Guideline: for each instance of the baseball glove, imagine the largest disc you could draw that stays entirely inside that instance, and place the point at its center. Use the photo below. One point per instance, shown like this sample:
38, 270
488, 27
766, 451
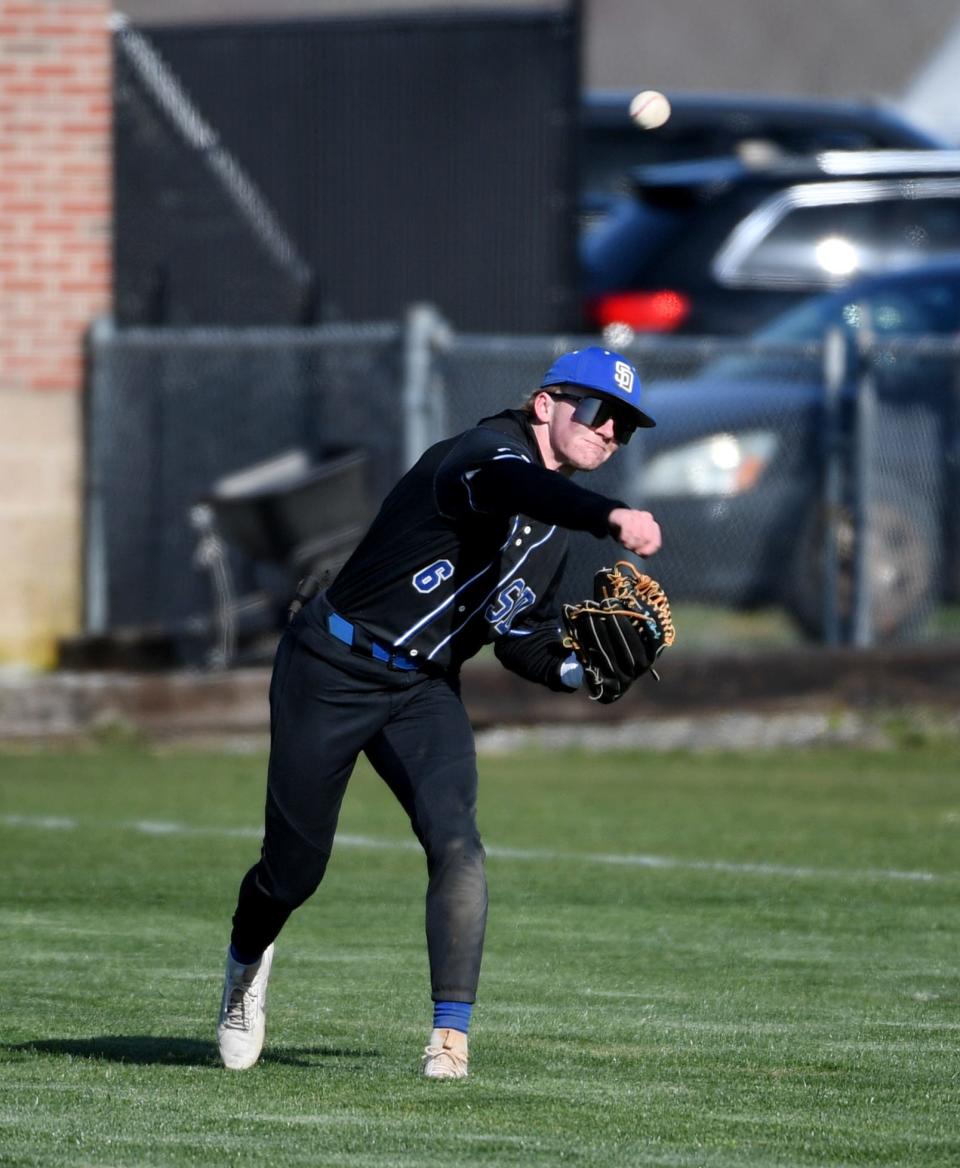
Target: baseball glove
619, 634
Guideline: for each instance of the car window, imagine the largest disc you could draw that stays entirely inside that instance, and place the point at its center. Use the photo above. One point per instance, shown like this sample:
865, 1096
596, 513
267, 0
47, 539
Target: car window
906, 308
828, 244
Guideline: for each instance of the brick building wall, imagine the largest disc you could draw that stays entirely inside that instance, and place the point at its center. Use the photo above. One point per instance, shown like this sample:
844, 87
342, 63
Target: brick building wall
55, 218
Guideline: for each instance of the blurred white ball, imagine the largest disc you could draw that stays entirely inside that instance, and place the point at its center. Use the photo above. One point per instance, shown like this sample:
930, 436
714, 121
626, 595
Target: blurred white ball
650, 109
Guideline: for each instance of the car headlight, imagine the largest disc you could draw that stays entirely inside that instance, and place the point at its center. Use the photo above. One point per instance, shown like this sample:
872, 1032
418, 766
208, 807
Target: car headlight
723, 464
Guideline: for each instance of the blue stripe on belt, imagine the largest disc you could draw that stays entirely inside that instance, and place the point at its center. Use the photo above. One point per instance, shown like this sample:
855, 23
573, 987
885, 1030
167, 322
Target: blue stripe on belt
344, 631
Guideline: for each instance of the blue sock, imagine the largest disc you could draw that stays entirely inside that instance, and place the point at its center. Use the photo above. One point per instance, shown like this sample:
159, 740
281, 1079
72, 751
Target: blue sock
452, 1015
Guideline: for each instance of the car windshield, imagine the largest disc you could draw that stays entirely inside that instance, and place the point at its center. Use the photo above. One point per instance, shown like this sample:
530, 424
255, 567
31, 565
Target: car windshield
905, 307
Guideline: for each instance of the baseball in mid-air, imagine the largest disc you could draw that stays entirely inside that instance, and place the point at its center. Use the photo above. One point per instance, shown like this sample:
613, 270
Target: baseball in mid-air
650, 109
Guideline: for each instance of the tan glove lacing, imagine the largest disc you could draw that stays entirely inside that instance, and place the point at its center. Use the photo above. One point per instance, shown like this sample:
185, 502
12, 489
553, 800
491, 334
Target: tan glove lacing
627, 582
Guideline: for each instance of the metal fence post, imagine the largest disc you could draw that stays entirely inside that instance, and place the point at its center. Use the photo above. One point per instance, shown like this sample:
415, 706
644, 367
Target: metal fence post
836, 366
96, 602
865, 432
426, 331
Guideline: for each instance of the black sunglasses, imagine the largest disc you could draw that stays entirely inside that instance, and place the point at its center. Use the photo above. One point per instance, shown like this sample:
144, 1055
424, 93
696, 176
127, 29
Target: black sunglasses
594, 411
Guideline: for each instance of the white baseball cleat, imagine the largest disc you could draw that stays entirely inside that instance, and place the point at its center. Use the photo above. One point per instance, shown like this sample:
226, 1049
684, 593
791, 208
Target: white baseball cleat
445, 1056
243, 1024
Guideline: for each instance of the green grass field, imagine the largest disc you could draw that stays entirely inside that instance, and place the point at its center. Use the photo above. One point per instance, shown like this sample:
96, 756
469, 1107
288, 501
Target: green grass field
692, 960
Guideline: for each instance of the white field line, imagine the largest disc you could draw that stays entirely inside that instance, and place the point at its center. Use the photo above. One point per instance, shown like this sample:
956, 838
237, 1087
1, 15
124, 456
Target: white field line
627, 860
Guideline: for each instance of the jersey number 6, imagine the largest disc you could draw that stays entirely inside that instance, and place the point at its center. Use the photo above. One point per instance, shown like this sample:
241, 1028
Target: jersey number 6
432, 577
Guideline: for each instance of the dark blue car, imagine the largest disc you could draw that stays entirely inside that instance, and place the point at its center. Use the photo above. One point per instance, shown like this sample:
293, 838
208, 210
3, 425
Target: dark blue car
737, 468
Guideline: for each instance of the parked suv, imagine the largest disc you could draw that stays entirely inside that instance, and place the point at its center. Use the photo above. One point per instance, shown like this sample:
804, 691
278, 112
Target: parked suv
720, 246
710, 125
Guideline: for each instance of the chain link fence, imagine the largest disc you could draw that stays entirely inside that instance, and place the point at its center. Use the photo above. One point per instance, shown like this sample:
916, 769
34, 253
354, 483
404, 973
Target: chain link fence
173, 415
806, 492
810, 482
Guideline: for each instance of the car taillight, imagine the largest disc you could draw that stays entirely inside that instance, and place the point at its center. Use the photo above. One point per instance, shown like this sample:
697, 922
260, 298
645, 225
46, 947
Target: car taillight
646, 312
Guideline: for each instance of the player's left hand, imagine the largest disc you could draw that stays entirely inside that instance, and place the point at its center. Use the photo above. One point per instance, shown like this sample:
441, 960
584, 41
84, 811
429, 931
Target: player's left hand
618, 635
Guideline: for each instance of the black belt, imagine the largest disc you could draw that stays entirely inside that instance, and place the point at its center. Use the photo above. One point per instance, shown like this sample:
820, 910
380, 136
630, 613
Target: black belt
360, 643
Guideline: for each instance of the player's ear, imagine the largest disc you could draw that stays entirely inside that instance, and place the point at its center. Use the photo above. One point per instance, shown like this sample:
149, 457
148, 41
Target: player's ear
543, 405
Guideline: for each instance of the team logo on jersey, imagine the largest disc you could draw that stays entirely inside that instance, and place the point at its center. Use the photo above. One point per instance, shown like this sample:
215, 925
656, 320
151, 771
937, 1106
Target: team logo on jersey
623, 376
508, 604
433, 576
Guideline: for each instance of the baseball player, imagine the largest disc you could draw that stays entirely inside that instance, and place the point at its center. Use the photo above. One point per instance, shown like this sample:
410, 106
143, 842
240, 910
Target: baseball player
467, 549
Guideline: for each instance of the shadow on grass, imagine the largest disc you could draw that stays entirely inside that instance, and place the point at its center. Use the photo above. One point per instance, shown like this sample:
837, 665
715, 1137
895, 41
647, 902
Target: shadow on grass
149, 1050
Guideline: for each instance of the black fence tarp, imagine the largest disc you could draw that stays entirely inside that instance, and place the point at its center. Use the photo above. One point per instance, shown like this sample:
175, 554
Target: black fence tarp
341, 169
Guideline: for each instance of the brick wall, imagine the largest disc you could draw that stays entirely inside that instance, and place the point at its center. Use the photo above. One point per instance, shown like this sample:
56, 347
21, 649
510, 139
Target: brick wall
55, 208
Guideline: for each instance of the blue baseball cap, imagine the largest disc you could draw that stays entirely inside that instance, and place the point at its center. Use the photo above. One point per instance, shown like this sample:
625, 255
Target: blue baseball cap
602, 371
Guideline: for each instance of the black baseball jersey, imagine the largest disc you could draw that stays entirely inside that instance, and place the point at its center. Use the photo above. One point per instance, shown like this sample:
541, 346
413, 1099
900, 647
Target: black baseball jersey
469, 548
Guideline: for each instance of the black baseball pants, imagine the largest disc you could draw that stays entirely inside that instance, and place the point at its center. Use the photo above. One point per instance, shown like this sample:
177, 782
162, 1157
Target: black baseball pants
327, 705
